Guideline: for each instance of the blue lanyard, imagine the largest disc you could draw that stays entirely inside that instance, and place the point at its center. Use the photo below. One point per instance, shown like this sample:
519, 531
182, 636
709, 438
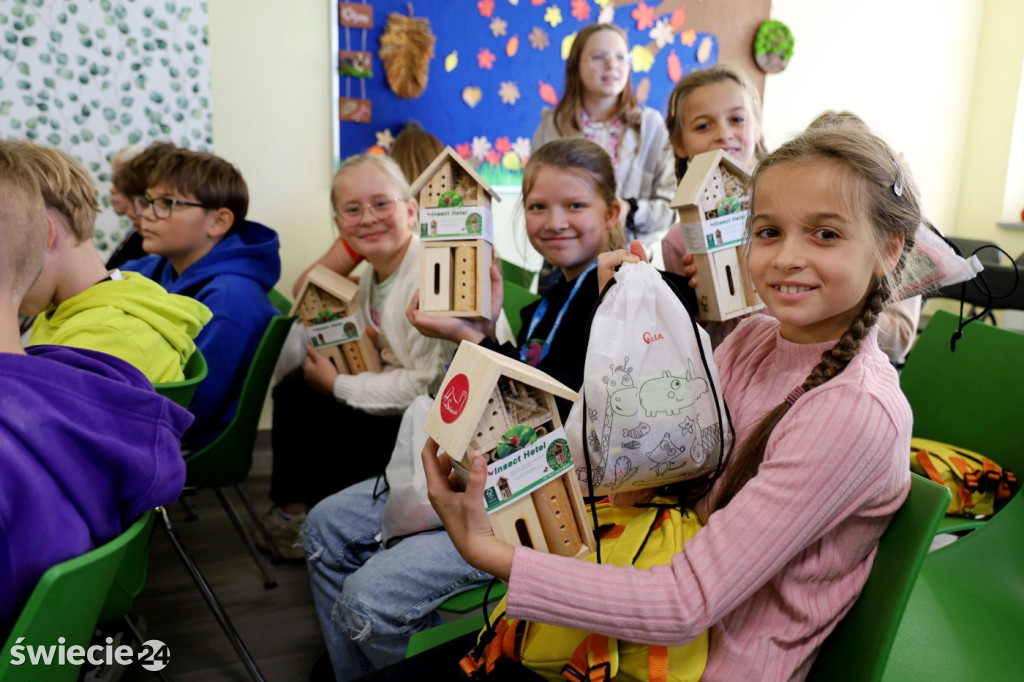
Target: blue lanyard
538, 315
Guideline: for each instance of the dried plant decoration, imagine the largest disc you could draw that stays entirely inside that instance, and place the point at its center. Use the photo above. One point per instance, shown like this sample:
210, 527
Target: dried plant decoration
406, 46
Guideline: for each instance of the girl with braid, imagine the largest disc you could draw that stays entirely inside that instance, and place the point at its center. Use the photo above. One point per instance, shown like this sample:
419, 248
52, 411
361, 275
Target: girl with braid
792, 525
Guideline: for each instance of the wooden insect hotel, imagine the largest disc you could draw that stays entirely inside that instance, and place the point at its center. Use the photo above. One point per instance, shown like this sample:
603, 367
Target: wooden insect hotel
504, 410
456, 237
327, 307
713, 200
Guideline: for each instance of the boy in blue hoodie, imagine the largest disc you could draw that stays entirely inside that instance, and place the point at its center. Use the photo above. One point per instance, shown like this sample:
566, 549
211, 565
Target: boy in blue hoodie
86, 445
201, 245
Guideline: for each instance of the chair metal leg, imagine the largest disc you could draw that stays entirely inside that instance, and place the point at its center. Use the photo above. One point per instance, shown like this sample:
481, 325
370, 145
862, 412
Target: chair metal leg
211, 599
140, 638
275, 553
269, 581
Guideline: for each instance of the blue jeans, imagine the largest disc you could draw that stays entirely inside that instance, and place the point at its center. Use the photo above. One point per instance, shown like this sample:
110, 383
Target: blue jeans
370, 600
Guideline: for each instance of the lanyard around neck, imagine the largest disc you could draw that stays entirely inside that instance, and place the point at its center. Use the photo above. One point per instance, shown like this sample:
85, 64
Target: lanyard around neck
538, 315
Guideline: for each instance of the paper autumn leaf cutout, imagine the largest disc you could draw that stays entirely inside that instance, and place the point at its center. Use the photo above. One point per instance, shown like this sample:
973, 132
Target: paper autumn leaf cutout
688, 38
522, 147
644, 16
485, 7
643, 90
462, 150
451, 61
606, 15
481, 147
567, 44
406, 47
498, 27
547, 93
704, 50
485, 58
675, 67
384, 138
472, 95
538, 38
642, 59
678, 19
603, 3
509, 92
537, 3
662, 34
512, 46
553, 15
493, 157
502, 144
580, 10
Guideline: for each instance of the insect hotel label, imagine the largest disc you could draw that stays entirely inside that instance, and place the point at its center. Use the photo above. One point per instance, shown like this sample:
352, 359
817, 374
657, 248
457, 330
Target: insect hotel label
525, 468
457, 222
725, 231
336, 331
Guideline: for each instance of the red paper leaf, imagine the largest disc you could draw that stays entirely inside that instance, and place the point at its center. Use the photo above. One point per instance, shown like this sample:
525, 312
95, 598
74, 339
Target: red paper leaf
486, 7
463, 150
493, 157
503, 145
580, 10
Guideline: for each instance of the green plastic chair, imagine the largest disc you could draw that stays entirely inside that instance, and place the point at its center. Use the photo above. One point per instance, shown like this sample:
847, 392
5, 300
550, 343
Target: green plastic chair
516, 298
860, 645
428, 639
965, 618
510, 272
67, 602
279, 301
472, 600
181, 392
973, 397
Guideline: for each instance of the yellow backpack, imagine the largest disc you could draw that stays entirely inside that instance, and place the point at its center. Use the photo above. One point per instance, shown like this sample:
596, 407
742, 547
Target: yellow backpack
641, 536
978, 484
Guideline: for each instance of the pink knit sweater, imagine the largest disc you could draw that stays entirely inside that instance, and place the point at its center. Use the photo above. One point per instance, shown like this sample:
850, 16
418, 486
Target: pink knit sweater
773, 572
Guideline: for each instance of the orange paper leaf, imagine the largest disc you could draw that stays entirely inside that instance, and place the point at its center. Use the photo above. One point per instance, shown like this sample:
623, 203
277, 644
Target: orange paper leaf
688, 38
675, 68
678, 19
547, 93
503, 145
580, 10
485, 58
463, 150
512, 46
486, 7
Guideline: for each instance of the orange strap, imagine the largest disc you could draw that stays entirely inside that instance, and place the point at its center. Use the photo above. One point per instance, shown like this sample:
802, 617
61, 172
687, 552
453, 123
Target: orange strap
657, 663
590, 662
925, 460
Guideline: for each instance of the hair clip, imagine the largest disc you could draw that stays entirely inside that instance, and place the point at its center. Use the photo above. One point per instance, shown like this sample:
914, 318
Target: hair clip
897, 187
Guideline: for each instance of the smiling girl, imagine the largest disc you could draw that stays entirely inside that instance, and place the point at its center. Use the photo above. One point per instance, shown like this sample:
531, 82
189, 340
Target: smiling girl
599, 105
818, 415
332, 430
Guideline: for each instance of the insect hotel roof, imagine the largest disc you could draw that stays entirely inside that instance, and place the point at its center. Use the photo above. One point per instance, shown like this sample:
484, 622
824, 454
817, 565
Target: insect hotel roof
329, 281
446, 157
483, 368
699, 172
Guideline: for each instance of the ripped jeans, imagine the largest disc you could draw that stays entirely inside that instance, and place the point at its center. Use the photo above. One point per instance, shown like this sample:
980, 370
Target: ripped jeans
370, 600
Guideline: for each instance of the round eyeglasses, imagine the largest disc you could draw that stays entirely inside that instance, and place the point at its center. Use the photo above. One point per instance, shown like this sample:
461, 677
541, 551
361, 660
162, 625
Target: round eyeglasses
381, 209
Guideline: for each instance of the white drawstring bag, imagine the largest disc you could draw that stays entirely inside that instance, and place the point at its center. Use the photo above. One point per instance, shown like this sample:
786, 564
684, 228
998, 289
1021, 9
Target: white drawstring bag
652, 412
407, 509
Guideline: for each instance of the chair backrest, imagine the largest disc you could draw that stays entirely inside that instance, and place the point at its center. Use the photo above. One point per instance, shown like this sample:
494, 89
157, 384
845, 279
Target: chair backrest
227, 460
516, 298
279, 301
858, 648
182, 391
973, 397
510, 272
66, 603
131, 574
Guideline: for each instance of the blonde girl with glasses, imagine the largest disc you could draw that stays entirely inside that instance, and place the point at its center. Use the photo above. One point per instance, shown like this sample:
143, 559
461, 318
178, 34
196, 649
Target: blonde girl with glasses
598, 104
332, 430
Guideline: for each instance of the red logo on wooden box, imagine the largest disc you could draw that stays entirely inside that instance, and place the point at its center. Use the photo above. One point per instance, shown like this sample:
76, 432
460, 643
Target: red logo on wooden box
454, 398
355, 16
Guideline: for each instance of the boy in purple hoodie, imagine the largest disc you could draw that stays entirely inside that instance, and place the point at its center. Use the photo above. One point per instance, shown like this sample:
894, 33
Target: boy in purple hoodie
86, 445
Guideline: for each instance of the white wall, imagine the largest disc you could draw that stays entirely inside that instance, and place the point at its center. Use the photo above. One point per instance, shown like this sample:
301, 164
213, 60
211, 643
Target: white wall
270, 66
904, 66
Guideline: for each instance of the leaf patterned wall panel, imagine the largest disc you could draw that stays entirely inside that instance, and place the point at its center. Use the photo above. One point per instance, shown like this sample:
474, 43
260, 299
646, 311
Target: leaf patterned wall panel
93, 76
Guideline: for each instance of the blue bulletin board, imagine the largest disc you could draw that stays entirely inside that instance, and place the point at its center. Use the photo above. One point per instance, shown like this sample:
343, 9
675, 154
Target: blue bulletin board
497, 64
